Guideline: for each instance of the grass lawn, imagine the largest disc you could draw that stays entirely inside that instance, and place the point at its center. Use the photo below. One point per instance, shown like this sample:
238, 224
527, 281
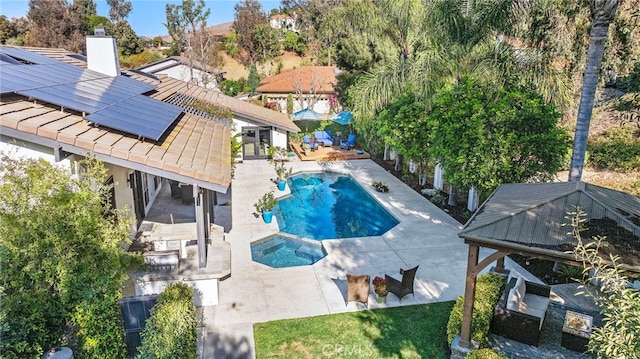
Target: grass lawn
415, 331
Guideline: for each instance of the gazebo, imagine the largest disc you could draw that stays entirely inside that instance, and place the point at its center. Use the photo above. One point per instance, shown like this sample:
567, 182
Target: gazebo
529, 219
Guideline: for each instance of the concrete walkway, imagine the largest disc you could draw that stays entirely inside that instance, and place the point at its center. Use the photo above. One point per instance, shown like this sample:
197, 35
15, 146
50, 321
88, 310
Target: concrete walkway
425, 236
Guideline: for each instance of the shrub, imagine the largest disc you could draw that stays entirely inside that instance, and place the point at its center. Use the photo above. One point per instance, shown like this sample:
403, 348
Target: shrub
172, 329
618, 150
488, 290
485, 353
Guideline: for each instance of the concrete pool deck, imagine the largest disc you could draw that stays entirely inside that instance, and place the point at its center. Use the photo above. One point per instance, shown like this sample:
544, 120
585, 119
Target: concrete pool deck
426, 236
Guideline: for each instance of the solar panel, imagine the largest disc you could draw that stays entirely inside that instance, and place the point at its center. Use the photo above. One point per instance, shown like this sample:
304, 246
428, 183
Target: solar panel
27, 56
139, 115
111, 101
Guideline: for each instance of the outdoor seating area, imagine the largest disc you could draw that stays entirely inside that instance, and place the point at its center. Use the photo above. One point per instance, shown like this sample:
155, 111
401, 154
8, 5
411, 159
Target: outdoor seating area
520, 312
404, 286
328, 153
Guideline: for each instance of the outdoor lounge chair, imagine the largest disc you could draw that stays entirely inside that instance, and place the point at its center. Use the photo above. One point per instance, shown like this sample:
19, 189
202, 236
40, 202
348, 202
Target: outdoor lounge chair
324, 138
358, 289
403, 287
313, 145
349, 143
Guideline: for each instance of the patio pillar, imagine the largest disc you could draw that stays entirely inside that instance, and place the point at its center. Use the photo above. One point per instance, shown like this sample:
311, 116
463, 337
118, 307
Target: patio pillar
469, 296
200, 226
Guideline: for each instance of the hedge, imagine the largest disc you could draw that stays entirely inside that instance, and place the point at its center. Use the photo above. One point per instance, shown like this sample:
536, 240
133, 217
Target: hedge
488, 289
172, 329
485, 353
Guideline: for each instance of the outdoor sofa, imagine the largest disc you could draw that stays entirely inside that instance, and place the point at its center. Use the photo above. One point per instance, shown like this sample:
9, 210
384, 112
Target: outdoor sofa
520, 312
323, 137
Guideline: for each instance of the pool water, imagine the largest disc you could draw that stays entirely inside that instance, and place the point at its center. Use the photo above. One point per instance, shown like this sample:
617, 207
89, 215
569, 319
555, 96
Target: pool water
329, 205
279, 251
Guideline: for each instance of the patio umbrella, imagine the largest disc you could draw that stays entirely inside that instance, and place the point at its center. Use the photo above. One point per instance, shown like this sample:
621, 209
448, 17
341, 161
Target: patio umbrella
343, 117
306, 114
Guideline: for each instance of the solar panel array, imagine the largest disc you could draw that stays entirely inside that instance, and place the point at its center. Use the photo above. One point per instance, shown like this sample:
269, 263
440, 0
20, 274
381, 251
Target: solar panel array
115, 102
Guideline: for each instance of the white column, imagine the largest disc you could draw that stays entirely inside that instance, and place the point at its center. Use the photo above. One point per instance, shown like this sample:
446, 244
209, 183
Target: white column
437, 177
472, 200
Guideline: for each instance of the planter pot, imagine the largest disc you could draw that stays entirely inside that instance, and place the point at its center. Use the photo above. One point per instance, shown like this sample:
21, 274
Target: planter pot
267, 216
381, 298
282, 185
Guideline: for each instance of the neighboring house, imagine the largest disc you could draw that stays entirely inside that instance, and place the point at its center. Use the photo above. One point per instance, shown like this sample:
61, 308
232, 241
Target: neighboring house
312, 87
284, 23
261, 127
178, 67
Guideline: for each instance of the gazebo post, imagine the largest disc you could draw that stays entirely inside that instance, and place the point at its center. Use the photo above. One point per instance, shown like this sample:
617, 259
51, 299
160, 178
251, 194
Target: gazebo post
500, 265
469, 296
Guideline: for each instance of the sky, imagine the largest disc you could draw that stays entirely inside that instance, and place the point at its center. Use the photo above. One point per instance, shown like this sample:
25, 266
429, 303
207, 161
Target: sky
147, 16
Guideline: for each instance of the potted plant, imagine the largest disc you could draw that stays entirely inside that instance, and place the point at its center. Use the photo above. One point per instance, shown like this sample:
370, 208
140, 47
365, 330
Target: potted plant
282, 173
307, 149
265, 206
380, 187
380, 287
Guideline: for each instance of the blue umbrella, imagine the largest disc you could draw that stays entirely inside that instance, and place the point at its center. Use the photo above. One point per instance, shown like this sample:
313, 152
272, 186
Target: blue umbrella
343, 117
307, 114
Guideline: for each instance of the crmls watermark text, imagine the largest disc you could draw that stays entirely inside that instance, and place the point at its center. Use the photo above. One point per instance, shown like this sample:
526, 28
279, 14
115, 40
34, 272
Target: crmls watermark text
338, 350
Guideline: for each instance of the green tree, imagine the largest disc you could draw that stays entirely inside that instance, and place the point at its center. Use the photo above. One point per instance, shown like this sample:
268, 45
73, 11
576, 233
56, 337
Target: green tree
248, 15
53, 24
119, 9
403, 126
266, 41
84, 10
290, 103
619, 336
172, 329
187, 25
295, 42
484, 137
231, 44
63, 267
602, 13
126, 39
254, 79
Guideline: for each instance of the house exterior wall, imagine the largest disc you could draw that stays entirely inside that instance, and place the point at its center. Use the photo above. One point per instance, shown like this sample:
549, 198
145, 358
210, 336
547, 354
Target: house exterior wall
278, 136
182, 72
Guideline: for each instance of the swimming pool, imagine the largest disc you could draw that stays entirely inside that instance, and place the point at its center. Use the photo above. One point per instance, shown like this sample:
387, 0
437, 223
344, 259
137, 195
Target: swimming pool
328, 205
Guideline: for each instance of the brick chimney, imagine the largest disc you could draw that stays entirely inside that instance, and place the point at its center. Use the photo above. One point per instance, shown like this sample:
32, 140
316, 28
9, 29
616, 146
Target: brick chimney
102, 53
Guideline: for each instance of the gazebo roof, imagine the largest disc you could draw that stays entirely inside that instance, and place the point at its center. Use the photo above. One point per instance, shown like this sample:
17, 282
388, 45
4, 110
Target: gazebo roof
535, 215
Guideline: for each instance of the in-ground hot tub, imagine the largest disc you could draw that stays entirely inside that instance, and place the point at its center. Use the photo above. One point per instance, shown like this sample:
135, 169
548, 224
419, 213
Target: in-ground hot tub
280, 251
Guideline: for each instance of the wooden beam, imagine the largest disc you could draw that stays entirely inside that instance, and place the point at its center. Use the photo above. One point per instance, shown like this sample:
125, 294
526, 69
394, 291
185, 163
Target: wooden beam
485, 262
469, 296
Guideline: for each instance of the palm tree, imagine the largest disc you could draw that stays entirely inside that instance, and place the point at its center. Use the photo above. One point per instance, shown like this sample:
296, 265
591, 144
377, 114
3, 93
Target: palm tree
602, 14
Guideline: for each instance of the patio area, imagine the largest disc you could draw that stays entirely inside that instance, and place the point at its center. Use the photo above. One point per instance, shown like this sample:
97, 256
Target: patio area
426, 236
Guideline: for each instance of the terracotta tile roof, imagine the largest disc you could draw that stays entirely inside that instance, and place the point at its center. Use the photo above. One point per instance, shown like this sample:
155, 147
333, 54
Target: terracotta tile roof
323, 78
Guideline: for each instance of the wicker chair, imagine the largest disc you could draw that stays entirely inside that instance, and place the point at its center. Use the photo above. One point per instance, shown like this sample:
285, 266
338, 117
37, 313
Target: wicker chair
404, 287
358, 289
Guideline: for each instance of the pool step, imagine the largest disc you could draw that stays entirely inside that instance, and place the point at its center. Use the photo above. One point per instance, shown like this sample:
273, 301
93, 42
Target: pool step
273, 246
310, 252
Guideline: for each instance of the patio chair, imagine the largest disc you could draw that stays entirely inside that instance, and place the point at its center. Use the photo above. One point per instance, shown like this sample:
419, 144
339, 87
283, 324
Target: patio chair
402, 287
313, 145
358, 289
349, 143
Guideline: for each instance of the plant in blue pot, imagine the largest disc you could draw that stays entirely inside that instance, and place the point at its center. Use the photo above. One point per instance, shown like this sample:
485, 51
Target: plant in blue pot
282, 173
265, 206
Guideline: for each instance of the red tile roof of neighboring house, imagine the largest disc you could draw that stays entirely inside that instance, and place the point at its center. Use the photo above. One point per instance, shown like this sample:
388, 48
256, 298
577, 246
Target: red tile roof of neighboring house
322, 78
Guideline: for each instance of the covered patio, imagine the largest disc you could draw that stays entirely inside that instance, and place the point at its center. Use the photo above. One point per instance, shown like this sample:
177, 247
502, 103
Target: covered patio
531, 220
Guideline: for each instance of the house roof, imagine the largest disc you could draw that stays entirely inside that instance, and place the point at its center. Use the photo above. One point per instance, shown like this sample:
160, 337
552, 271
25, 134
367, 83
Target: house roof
193, 150
239, 108
322, 79
173, 61
536, 214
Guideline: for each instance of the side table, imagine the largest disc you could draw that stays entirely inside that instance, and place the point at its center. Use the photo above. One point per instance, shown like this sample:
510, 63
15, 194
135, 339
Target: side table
576, 331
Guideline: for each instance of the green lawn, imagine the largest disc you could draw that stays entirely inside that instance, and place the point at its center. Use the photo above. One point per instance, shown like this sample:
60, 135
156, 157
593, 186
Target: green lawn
415, 331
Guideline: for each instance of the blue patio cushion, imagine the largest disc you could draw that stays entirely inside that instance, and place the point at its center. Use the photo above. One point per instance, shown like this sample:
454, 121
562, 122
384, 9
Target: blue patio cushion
323, 137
